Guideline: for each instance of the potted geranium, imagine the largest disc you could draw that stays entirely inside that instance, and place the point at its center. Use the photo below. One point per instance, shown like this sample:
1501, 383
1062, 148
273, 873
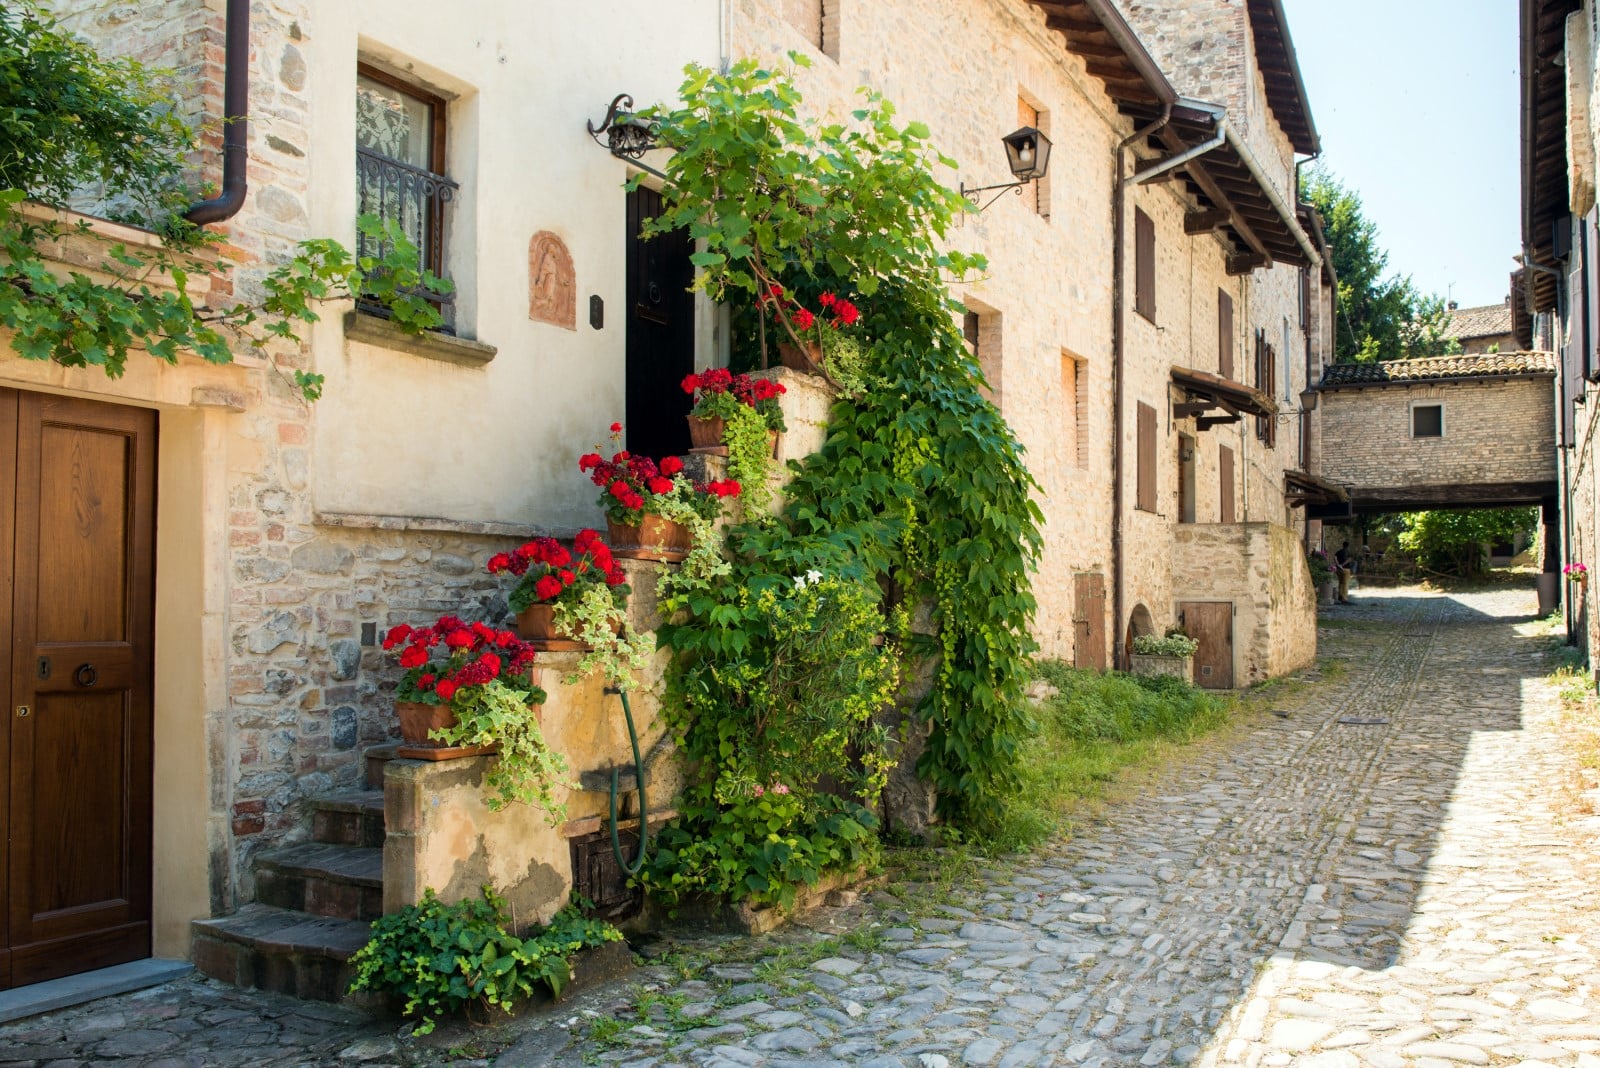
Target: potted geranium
1576, 573
549, 574
720, 396
470, 689
639, 497
829, 338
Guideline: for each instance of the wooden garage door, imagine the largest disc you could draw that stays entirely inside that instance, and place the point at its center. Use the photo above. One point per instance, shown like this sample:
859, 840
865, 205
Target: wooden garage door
77, 585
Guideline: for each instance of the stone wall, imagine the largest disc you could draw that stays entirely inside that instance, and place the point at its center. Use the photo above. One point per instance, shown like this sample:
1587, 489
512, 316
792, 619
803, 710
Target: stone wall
1495, 431
1261, 568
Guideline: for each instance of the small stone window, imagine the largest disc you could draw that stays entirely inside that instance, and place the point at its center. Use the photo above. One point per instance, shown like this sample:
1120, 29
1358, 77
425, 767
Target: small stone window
1427, 421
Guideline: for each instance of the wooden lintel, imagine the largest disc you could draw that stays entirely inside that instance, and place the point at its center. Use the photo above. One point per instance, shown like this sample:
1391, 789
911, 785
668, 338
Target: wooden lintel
1185, 409
1207, 422
1203, 222
1245, 262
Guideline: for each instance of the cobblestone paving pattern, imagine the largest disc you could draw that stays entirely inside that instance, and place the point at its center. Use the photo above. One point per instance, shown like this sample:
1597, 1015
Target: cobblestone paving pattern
1383, 875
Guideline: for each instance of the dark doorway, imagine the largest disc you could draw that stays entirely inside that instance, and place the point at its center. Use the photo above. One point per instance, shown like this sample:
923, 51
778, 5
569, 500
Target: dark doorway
77, 590
660, 344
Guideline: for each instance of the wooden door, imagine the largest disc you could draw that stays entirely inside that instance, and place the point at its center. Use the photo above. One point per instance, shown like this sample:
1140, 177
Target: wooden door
660, 342
1089, 621
1210, 623
79, 478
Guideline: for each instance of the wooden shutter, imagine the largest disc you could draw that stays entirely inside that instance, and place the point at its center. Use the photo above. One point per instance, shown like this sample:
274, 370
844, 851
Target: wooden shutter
1144, 263
1225, 477
1224, 334
1591, 298
1028, 115
1146, 498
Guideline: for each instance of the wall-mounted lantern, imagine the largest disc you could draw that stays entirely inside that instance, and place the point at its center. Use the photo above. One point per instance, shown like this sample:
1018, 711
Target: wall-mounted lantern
1027, 154
624, 134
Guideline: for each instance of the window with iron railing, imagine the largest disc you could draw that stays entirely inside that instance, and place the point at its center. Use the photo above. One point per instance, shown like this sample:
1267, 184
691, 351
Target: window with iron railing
400, 155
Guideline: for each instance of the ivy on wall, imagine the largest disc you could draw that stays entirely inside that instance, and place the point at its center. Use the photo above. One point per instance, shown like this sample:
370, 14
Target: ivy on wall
920, 490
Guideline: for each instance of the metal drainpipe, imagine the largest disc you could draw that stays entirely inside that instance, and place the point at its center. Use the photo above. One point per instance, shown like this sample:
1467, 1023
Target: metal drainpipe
236, 125
1563, 460
1119, 313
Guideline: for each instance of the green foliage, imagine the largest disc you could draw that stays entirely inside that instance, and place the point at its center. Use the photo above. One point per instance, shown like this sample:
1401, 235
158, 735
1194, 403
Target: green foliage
527, 770
1097, 725
749, 459
759, 848
920, 488
444, 958
1380, 318
1321, 570
597, 617
70, 120
1452, 542
1173, 644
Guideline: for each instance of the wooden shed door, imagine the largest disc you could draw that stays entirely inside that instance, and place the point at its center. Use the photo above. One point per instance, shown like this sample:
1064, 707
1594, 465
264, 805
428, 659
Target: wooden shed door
77, 586
1089, 621
1211, 624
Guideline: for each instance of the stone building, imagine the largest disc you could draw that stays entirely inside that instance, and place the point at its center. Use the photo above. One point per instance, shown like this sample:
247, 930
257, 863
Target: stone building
1408, 435
1176, 400
1485, 329
1154, 312
1557, 293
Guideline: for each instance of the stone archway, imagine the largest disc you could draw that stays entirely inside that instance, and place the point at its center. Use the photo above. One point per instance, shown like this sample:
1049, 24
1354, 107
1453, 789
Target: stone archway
1140, 622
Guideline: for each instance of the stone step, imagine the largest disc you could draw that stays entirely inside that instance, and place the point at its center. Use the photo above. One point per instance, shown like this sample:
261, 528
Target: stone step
376, 757
281, 950
353, 819
341, 881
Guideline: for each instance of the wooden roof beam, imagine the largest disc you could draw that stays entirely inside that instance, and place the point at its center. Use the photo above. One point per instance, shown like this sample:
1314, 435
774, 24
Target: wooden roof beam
1204, 222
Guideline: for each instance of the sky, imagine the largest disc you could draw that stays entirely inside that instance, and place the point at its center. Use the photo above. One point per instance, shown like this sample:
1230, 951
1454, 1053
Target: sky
1416, 103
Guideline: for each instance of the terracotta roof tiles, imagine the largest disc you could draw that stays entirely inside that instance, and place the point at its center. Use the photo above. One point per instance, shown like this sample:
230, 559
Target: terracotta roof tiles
1434, 368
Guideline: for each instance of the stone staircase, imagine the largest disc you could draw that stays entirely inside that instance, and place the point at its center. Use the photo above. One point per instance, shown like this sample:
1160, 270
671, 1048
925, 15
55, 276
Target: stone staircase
314, 903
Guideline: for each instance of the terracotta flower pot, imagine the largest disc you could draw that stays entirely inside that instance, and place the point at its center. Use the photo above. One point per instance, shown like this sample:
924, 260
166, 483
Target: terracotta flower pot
808, 359
417, 720
536, 622
652, 532
706, 433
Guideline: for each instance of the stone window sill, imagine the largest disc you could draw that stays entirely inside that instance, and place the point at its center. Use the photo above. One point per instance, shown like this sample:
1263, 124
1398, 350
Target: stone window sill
381, 333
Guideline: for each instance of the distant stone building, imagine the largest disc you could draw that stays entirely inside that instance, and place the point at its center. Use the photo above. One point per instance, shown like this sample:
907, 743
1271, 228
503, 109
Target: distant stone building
1484, 329
1405, 435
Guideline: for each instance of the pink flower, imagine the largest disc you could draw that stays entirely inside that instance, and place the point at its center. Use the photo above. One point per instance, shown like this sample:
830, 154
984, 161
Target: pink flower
780, 789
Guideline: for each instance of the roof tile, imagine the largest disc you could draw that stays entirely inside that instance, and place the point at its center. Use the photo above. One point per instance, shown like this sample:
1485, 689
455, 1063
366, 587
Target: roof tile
1484, 365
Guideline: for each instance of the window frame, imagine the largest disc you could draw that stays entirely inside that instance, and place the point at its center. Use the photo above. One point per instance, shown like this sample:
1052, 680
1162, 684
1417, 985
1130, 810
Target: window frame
438, 144
1413, 408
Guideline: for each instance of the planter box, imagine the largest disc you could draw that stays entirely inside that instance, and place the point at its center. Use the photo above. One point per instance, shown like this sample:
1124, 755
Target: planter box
1328, 593
1178, 667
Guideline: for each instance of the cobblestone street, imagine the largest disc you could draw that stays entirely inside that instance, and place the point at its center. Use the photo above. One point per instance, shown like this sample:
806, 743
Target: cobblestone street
1385, 865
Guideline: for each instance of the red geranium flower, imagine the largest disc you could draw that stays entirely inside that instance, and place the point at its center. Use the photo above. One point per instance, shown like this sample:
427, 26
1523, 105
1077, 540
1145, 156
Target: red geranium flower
804, 319
446, 690
660, 485
616, 428
414, 656
671, 465
397, 635
459, 639
548, 588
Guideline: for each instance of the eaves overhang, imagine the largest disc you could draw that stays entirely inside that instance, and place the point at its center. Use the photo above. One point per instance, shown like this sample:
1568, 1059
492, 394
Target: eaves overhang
1544, 141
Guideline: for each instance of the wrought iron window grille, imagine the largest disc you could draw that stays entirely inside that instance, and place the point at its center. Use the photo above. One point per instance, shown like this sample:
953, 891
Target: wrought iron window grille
419, 201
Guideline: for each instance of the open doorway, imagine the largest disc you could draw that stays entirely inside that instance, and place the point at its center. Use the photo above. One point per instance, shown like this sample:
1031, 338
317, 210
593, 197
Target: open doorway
660, 325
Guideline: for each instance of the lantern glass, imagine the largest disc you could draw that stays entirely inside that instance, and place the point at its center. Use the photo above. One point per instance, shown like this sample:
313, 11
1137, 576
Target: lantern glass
1028, 153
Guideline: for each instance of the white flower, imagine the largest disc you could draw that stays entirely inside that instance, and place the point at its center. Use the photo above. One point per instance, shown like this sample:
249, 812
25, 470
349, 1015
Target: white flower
813, 576
800, 582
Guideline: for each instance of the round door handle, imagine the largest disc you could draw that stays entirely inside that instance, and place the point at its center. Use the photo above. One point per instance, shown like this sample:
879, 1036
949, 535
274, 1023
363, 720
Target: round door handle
86, 675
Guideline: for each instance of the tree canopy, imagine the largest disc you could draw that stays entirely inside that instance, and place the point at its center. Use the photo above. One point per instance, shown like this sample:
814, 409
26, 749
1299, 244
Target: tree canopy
1381, 316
